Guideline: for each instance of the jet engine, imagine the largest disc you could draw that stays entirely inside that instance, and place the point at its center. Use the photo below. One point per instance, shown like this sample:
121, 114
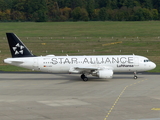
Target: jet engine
106, 73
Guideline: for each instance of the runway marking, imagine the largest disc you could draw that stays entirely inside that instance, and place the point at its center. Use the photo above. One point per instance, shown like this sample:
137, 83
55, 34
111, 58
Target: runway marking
58, 103
155, 109
120, 97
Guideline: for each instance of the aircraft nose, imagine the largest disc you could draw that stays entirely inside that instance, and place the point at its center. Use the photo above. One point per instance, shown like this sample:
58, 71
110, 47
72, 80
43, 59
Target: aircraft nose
153, 65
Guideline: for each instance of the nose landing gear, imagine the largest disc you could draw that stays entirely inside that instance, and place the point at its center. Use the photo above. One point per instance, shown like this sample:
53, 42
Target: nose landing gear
135, 75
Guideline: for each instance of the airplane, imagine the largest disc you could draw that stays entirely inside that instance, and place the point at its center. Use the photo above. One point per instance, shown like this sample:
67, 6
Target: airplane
102, 66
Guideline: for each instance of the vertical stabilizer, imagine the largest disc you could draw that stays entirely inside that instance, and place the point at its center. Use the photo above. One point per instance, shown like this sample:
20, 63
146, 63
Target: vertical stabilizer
17, 48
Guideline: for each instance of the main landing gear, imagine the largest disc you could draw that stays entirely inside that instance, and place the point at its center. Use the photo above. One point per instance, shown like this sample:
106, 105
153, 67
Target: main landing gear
84, 78
135, 75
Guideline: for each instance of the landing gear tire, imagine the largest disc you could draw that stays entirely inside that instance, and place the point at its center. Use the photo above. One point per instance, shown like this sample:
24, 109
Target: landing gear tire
135, 75
84, 78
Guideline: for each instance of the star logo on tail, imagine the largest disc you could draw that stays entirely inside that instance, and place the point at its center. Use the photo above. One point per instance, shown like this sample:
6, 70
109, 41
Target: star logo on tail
18, 49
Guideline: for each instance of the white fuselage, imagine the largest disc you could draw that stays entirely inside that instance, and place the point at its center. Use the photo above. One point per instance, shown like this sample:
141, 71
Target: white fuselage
64, 64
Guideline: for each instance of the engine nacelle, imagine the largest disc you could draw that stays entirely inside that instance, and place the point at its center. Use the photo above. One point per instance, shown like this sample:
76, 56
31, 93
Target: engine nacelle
106, 73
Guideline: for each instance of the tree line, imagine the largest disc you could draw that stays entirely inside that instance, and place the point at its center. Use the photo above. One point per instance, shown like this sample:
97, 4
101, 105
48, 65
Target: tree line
79, 10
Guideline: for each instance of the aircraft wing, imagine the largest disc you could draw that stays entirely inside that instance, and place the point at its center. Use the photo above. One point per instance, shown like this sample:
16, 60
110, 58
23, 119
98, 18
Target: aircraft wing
86, 69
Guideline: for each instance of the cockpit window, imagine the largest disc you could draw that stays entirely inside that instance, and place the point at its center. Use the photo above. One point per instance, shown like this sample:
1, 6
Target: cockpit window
146, 60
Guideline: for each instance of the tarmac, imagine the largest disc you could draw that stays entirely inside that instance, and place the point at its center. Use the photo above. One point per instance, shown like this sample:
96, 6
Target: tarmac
41, 96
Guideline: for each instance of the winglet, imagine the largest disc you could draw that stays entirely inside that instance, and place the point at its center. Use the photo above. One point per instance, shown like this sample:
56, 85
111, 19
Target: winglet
17, 48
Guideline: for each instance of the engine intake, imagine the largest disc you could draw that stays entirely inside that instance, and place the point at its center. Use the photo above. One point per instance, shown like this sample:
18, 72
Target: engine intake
106, 73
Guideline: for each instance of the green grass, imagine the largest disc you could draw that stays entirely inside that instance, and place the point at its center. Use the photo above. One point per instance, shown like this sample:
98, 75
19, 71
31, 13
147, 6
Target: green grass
10, 68
84, 38
82, 29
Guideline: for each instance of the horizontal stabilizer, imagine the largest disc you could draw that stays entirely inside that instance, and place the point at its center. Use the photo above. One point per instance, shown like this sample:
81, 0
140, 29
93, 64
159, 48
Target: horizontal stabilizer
17, 61
13, 60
